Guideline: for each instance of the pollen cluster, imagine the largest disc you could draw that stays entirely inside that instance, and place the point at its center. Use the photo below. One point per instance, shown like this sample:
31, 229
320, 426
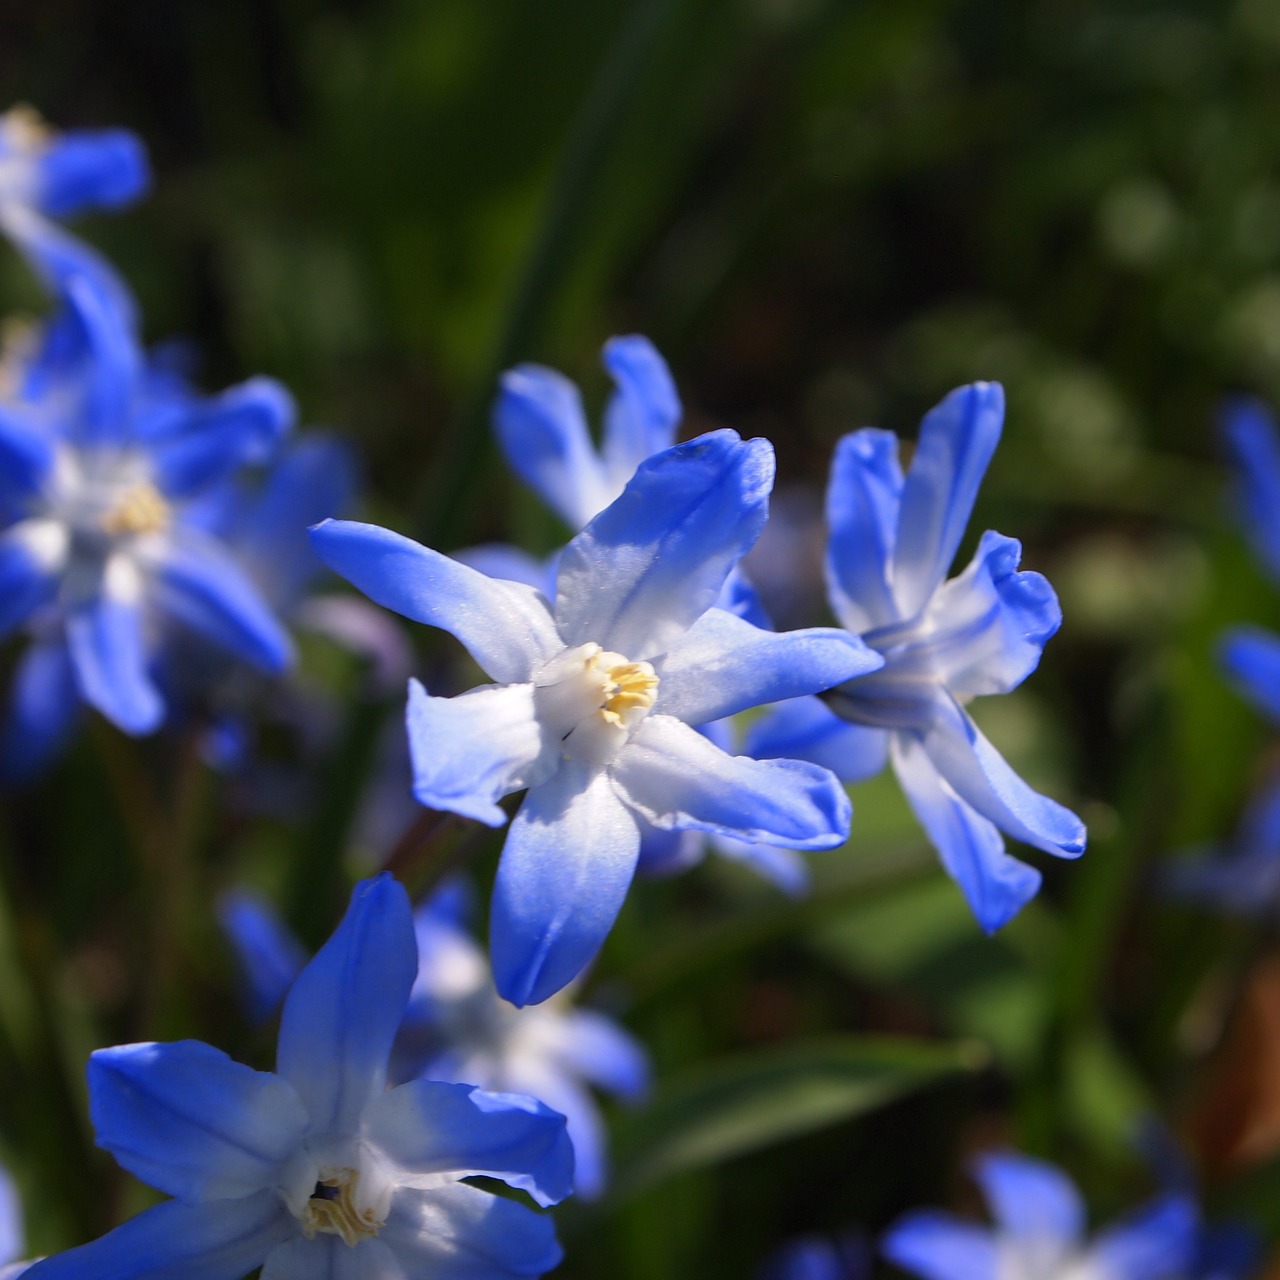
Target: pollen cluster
141, 510
332, 1209
629, 687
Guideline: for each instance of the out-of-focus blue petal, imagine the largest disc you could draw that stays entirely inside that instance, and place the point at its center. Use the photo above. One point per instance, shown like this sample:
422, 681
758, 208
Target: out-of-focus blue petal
505, 626
937, 1246
498, 560
740, 597
957, 439
583, 1122
846, 1257
44, 708
991, 623
654, 561
807, 729
426, 1128
785, 869
268, 954
568, 861
471, 750
91, 169
668, 853
862, 513
26, 451
329, 1257
996, 885
1260, 826
1029, 1198
108, 653
1252, 442
601, 1052
198, 582
342, 1013
199, 443
458, 1232
1229, 1251
723, 665
191, 1122
12, 1235
673, 777
364, 630
543, 434
31, 557
981, 777
219, 1240
644, 410
112, 358
1250, 658
1152, 1244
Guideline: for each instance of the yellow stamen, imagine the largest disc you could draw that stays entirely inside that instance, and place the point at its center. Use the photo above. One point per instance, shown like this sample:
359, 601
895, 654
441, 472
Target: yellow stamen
25, 128
141, 510
339, 1216
632, 686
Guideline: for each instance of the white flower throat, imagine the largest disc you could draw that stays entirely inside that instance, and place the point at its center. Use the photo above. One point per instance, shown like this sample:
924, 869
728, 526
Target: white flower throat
592, 700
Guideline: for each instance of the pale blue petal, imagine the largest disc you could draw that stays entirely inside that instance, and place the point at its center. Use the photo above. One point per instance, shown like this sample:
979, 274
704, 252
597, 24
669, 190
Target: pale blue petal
543, 434
981, 777
996, 885
329, 1257
740, 597
668, 853
427, 1128
723, 665
12, 1235
44, 709
938, 1246
648, 566
583, 1122
190, 1121
342, 1014
603, 1053
674, 778
197, 582
498, 560
108, 652
458, 1232
564, 873
1031, 1199
807, 729
29, 575
220, 1240
471, 750
846, 1257
505, 626
1250, 658
1152, 1244
643, 412
785, 869
1252, 442
957, 439
269, 956
862, 514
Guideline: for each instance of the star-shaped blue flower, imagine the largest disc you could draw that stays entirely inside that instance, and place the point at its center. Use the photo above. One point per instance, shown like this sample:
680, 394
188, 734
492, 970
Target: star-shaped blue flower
318, 1169
595, 699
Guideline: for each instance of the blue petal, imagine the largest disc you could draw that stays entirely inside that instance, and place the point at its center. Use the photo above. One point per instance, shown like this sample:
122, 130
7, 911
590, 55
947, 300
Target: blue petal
1152, 1244
938, 1246
740, 597
498, 560
191, 1122
603, 1053
652, 563
505, 626
673, 777
1252, 443
1250, 657
957, 439
644, 411
995, 885
112, 358
12, 1235
221, 1240
427, 1128
723, 665
92, 169
269, 955
820, 1258
785, 869
565, 870
32, 555
1031, 1199
108, 652
807, 729
862, 514
583, 1122
471, 750
342, 1014
328, 1257
44, 709
198, 582
1260, 826
980, 776
196, 444
458, 1232
669, 853
543, 433
26, 451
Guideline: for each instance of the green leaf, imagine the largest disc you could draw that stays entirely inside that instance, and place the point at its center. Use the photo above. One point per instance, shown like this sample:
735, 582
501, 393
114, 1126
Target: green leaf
766, 1096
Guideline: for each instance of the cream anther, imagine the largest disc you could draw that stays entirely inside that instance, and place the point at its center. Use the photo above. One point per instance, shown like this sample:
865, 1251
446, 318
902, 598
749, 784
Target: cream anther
339, 1214
141, 510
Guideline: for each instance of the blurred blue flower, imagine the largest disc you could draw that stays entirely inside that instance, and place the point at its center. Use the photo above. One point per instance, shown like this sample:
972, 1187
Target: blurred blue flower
1039, 1233
107, 477
319, 1169
943, 642
815, 1257
594, 701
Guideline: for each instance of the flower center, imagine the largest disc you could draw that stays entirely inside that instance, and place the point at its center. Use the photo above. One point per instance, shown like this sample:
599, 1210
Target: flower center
593, 699
334, 1208
140, 510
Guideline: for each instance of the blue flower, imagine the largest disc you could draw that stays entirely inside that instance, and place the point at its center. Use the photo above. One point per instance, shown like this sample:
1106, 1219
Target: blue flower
943, 642
105, 482
1039, 1233
594, 700
815, 1257
319, 1169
